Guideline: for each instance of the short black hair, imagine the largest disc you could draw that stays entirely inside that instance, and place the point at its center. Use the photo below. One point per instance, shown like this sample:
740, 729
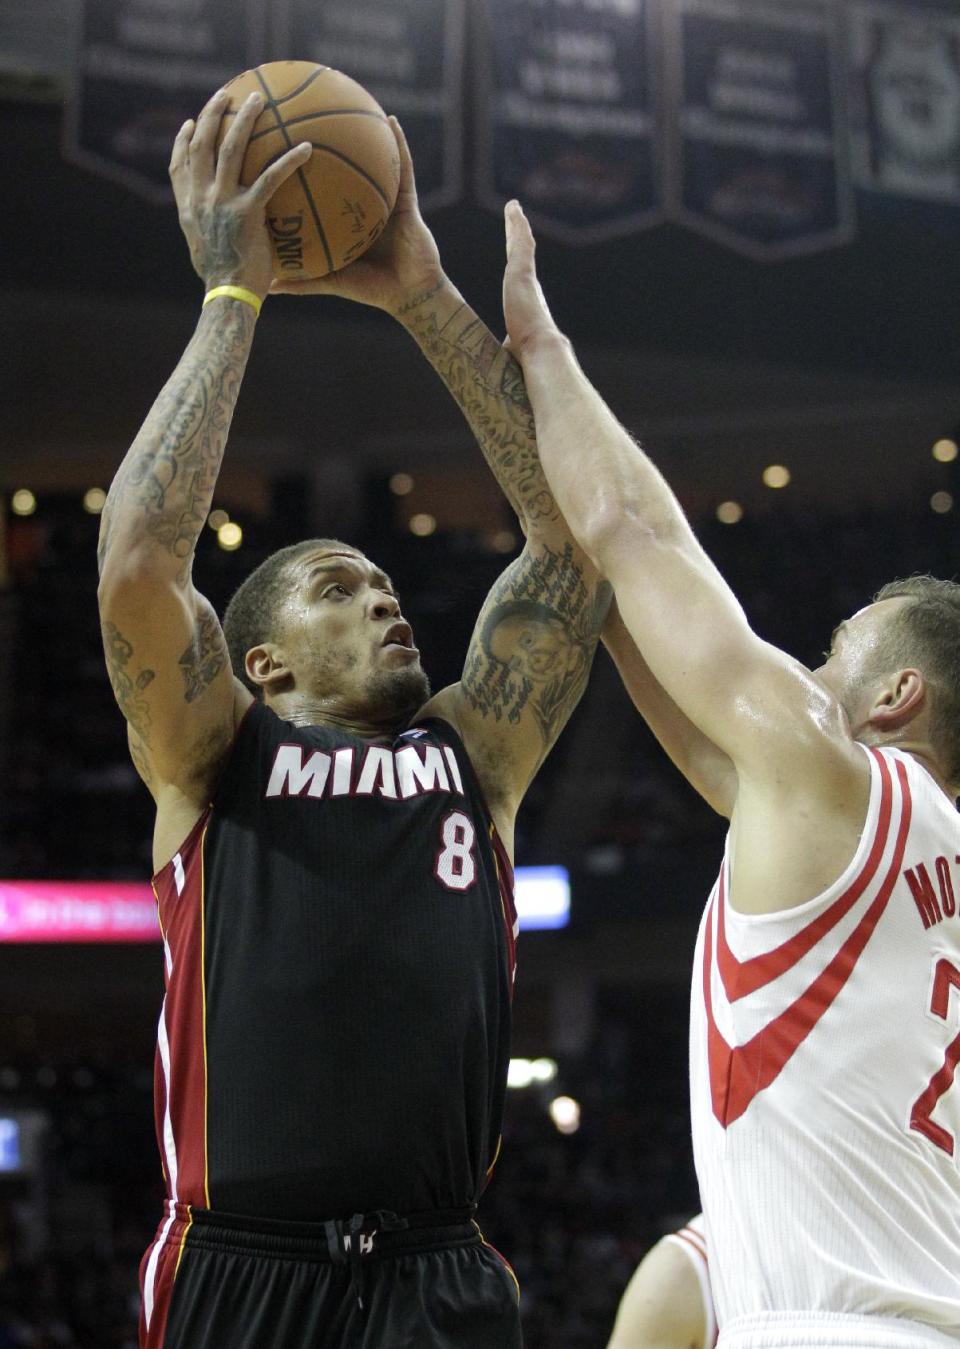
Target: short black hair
926, 634
251, 615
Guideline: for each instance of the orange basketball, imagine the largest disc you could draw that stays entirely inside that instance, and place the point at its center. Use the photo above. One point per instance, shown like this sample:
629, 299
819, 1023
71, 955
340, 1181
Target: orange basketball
330, 210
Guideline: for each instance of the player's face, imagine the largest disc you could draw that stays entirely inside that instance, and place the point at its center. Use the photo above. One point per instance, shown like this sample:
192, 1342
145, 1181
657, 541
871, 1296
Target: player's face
854, 667
346, 639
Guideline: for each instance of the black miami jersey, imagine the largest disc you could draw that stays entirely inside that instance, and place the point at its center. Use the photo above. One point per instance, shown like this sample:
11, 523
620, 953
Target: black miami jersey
339, 935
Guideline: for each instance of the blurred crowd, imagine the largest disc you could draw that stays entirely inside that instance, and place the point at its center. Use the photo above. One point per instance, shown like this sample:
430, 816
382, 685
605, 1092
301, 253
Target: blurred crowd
572, 1212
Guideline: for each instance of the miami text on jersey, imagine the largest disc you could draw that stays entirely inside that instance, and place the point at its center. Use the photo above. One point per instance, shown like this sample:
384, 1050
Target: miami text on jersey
375, 770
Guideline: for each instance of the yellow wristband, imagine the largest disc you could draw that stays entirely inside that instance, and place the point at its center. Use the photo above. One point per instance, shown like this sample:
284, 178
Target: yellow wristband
234, 293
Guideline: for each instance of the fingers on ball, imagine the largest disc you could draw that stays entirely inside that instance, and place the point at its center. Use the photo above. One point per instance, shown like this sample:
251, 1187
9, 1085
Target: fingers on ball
181, 144
235, 142
282, 169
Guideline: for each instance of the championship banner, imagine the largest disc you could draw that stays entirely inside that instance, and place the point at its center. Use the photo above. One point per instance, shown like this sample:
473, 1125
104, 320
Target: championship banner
567, 114
757, 137
905, 77
409, 55
144, 67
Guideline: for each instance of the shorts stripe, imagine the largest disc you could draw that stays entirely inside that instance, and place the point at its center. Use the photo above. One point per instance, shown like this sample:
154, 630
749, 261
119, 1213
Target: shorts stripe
503, 1260
159, 1272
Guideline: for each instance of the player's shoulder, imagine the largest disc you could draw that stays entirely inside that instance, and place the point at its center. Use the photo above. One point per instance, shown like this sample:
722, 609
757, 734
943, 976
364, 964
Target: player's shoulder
792, 733
439, 707
663, 1304
438, 720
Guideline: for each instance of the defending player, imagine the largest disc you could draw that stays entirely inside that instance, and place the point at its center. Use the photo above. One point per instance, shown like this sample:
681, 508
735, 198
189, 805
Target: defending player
668, 1303
332, 844
826, 991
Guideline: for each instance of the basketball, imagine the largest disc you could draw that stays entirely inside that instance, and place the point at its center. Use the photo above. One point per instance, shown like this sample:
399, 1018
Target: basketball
332, 209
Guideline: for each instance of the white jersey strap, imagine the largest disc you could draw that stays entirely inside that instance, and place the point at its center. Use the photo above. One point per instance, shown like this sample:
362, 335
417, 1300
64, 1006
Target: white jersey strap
692, 1240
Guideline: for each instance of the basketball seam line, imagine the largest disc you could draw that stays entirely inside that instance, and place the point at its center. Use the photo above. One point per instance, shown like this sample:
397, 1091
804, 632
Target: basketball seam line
338, 154
308, 195
299, 89
232, 112
330, 112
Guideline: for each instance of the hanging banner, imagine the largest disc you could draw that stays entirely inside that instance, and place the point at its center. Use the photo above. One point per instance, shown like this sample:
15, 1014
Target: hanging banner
409, 55
566, 114
144, 67
905, 77
756, 133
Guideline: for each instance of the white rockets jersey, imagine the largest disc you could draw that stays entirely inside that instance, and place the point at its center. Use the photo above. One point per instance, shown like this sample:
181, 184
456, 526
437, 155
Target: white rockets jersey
692, 1240
826, 1120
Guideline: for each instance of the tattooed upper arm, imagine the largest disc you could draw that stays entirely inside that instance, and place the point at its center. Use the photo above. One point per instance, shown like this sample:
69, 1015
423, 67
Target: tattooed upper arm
166, 654
531, 650
169, 669
129, 681
205, 656
528, 663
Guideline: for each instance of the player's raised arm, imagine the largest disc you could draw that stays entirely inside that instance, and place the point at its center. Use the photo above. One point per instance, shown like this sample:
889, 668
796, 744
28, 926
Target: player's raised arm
534, 641
531, 650
706, 767
757, 705
403, 275
164, 648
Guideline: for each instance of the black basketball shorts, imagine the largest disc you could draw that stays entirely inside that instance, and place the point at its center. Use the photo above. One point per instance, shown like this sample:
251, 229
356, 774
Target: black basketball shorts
215, 1281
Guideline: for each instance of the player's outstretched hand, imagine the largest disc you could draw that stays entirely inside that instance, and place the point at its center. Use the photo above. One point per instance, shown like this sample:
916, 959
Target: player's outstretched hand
224, 222
403, 262
525, 310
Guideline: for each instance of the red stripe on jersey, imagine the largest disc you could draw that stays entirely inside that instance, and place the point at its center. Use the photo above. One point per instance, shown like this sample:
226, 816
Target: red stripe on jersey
181, 916
503, 1260
168, 1262
496, 1158
741, 977
738, 1074
696, 1238
508, 905
691, 1239
508, 910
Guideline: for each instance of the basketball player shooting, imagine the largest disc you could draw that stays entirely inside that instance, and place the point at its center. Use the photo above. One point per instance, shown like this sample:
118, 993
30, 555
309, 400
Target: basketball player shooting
332, 843
825, 1026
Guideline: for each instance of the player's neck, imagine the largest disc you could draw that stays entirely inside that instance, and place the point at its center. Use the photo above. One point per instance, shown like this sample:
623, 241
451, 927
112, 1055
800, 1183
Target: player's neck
304, 709
916, 748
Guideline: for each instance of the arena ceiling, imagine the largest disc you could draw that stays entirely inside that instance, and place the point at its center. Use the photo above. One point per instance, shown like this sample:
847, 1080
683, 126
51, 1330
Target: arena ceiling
844, 364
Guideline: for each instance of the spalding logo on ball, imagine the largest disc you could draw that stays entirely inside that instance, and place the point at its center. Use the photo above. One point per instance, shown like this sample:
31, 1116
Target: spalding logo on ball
332, 209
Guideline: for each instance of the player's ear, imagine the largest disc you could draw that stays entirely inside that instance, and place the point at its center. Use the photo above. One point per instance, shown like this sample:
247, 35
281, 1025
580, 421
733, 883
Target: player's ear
902, 695
266, 665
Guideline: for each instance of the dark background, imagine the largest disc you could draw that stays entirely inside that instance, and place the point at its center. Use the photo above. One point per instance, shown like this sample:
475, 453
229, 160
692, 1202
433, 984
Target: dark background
841, 365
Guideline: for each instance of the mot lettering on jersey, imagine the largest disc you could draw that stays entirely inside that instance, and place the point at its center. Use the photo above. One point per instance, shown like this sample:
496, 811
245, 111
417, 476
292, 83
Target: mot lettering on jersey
934, 904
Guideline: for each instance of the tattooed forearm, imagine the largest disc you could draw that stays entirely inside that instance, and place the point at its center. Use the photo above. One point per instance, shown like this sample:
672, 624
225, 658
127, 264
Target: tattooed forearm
535, 640
128, 688
204, 658
164, 487
487, 383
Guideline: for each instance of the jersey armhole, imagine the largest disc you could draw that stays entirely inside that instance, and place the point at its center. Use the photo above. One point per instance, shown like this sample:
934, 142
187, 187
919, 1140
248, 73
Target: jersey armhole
693, 1244
160, 877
